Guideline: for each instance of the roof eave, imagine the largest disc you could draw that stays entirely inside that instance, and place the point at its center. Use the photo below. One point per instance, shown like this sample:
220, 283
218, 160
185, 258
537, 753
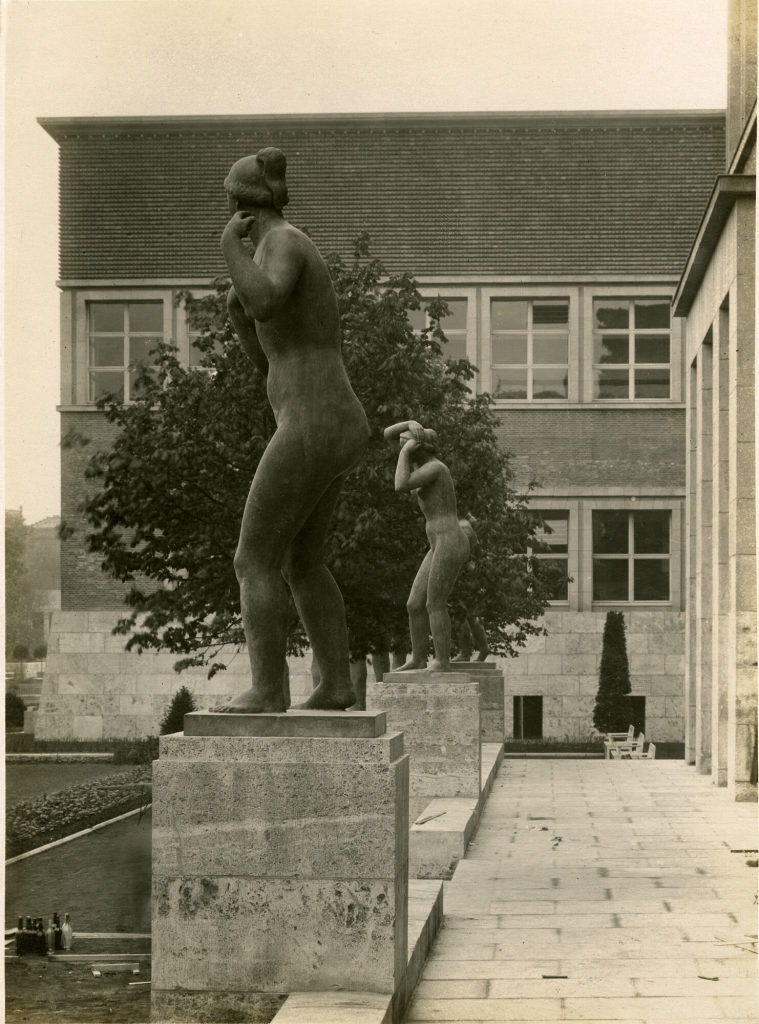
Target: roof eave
728, 189
58, 127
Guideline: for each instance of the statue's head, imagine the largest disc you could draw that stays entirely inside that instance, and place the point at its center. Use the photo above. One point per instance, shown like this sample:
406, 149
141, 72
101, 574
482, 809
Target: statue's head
428, 446
258, 180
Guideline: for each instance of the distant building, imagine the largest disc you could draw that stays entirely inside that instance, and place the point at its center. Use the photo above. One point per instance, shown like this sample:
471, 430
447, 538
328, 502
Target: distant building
558, 240
716, 296
43, 560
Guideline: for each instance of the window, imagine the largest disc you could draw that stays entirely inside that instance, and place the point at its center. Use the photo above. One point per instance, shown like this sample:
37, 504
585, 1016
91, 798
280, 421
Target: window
558, 543
120, 334
631, 555
453, 326
631, 348
528, 718
529, 348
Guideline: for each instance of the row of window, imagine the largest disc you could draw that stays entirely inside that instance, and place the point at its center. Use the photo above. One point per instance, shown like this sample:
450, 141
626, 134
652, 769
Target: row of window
529, 346
631, 554
528, 716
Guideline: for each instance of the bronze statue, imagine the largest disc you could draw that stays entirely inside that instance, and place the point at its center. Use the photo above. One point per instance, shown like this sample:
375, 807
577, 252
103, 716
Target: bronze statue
467, 628
420, 472
283, 307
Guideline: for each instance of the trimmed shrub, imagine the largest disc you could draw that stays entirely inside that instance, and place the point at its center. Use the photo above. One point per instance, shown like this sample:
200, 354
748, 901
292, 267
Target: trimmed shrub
613, 708
14, 710
40, 652
182, 703
20, 652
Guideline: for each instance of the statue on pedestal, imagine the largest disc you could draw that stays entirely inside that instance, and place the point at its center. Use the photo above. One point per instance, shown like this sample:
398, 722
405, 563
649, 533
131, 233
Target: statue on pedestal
284, 310
422, 473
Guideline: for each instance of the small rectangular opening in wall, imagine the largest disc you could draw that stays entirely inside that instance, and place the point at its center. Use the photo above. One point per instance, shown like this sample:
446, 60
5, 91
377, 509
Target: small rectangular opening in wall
638, 715
528, 718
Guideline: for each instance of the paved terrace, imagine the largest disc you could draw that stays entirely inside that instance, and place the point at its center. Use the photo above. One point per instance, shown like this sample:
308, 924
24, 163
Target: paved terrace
599, 891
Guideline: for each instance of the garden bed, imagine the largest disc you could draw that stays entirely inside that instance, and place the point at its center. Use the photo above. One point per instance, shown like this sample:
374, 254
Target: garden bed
33, 823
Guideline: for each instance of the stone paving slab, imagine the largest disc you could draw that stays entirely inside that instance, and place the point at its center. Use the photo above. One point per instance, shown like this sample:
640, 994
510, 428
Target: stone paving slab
599, 891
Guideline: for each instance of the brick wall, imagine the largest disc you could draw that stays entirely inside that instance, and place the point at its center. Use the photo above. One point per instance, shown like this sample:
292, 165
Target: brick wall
597, 448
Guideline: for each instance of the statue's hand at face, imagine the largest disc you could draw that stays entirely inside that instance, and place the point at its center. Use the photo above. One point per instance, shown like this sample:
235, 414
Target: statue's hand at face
239, 225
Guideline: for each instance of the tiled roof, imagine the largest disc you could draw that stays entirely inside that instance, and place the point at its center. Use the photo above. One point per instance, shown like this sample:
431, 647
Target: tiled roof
441, 194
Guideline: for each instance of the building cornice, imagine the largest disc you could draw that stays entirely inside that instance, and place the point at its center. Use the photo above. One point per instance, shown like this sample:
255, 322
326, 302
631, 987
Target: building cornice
61, 127
608, 279
728, 189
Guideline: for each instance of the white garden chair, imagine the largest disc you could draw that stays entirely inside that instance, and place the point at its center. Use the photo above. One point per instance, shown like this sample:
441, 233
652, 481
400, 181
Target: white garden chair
618, 740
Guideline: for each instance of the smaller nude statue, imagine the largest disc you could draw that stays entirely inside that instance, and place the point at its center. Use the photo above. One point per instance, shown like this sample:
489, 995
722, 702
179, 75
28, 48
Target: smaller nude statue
467, 627
421, 472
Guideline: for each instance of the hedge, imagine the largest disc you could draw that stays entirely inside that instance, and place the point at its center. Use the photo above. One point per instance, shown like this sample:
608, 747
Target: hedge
33, 823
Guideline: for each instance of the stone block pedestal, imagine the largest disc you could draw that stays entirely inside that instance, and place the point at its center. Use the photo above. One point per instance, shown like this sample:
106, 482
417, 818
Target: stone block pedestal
439, 715
490, 678
280, 862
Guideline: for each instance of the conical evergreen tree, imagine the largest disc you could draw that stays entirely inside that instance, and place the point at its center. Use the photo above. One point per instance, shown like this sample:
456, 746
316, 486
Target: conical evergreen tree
173, 721
613, 709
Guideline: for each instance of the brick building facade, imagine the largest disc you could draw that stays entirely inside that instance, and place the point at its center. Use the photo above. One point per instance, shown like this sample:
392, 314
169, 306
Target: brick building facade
557, 240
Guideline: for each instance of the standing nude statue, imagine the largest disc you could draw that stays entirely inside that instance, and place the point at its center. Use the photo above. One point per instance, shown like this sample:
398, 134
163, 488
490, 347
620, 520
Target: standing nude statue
467, 628
284, 309
419, 471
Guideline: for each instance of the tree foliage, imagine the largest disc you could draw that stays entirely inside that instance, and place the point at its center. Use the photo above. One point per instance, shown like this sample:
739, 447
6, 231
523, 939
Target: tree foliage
19, 614
169, 496
613, 709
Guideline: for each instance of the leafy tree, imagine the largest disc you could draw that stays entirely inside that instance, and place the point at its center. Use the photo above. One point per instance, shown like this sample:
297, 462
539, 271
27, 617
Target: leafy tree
181, 704
170, 492
18, 595
613, 709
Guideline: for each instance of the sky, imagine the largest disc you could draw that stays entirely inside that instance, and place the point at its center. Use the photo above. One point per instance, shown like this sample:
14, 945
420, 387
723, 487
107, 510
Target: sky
75, 58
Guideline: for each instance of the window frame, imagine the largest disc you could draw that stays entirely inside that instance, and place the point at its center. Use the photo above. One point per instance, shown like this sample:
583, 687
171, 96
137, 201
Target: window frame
79, 394
531, 294
545, 513
630, 557
445, 292
631, 293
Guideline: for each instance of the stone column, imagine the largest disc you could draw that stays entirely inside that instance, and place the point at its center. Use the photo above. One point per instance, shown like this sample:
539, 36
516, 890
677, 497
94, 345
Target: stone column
720, 580
703, 553
689, 683
439, 715
742, 703
280, 862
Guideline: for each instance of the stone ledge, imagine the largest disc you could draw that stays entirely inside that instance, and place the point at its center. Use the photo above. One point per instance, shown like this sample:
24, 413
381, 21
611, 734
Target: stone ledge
425, 919
437, 845
299, 723
62, 756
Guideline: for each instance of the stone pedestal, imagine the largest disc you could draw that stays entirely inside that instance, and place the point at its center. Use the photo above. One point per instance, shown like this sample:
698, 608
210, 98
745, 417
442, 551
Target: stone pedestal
490, 678
439, 715
280, 862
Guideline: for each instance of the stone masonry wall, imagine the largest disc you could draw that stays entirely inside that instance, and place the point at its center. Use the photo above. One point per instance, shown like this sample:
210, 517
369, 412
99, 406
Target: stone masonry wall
563, 668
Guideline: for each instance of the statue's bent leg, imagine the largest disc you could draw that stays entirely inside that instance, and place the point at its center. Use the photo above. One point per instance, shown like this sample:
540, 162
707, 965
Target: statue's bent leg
320, 606
448, 558
418, 621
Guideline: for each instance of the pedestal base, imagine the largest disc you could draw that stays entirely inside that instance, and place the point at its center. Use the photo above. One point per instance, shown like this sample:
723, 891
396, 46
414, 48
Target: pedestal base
439, 715
280, 864
490, 678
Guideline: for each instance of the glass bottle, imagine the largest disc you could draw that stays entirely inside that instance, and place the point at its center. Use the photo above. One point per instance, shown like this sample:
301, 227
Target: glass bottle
57, 925
67, 932
50, 935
